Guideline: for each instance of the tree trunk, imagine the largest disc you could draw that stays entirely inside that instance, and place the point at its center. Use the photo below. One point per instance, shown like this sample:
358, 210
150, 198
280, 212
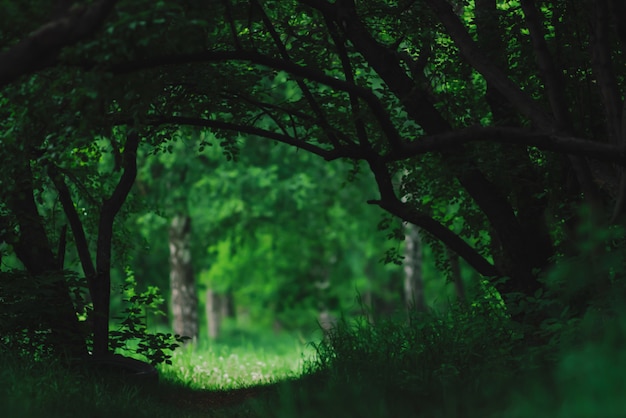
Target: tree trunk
455, 275
419, 107
182, 281
327, 322
214, 311
101, 286
33, 249
227, 308
413, 280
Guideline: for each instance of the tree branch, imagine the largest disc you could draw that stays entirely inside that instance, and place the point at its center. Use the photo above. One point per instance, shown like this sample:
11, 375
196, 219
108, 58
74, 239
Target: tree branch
543, 140
603, 70
82, 246
359, 124
40, 48
390, 202
375, 105
387, 64
552, 76
322, 119
343, 151
477, 59
555, 88
110, 208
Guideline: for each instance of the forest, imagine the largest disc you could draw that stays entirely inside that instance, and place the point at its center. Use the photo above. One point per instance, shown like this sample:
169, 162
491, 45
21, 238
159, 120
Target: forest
261, 208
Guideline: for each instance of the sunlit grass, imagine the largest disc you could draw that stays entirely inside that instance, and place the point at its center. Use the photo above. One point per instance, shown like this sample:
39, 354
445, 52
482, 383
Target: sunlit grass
439, 366
241, 359
225, 365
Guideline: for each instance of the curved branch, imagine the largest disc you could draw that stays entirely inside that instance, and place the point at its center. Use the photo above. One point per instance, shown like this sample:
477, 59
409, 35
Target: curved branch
373, 102
40, 49
390, 202
231, 23
359, 124
387, 65
82, 246
552, 76
542, 140
323, 120
344, 151
475, 57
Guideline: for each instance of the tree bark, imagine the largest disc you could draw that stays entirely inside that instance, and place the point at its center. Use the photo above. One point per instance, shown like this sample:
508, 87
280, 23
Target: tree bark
101, 289
413, 280
33, 249
420, 108
214, 310
182, 280
41, 48
533, 232
455, 276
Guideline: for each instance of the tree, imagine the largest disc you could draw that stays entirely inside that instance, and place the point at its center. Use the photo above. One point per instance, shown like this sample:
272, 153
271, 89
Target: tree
413, 280
494, 158
268, 230
182, 280
433, 103
41, 48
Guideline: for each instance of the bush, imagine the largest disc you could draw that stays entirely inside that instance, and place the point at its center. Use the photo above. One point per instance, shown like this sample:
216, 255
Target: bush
438, 364
26, 304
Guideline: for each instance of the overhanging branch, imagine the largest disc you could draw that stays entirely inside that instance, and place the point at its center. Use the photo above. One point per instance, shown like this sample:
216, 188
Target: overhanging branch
40, 48
297, 71
477, 59
346, 151
545, 141
390, 202
82, 246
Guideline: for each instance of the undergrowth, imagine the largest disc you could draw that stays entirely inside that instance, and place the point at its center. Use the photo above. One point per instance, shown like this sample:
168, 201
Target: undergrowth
30, 388
429, 365
468, 362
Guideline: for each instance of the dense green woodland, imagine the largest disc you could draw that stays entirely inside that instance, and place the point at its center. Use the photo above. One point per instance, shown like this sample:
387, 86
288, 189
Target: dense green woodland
456, 165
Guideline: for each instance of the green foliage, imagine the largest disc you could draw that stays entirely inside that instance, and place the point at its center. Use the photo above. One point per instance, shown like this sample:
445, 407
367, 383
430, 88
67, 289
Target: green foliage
287, 236
584, 375
433, 365
441, 352
132, 333
269, 230
26, 302
30, 388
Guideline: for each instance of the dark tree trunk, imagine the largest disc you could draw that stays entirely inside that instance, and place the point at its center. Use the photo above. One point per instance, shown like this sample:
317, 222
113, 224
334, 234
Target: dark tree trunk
101, 285
532, 231
492, 201
182, 280
33, 249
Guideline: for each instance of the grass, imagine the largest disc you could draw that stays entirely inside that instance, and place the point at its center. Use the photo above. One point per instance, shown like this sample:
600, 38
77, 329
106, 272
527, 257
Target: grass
38, 389
465, 363
217, 377
254, 358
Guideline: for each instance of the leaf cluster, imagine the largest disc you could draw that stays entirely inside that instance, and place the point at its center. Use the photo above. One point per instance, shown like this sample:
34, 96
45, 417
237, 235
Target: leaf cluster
26, 303
132, 333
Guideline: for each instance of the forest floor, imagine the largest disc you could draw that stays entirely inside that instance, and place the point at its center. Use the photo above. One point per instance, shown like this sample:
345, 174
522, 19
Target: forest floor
203, 400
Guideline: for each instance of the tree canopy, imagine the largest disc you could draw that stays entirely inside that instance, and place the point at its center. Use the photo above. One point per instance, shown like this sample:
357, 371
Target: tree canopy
495, 127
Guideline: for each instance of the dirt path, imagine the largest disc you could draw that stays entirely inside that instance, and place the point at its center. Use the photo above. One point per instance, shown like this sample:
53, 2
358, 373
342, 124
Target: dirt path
204, 400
